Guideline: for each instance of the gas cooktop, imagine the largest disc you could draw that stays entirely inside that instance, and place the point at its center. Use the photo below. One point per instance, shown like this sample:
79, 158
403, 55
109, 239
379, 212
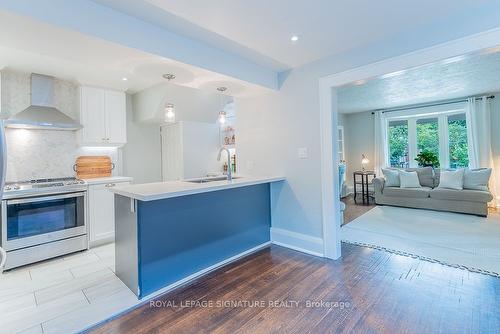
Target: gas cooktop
52, 185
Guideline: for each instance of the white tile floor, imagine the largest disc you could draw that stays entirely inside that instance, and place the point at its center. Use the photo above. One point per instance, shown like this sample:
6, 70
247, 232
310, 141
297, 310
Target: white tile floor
63, 295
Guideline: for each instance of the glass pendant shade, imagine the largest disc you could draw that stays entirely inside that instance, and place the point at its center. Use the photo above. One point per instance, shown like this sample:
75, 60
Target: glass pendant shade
170, 113
222, 117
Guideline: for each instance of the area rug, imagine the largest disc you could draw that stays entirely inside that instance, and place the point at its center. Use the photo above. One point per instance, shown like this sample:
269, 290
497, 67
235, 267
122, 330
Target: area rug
459, 240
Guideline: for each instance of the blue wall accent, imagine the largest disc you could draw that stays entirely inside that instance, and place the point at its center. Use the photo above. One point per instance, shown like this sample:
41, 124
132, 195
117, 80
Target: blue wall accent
182, 235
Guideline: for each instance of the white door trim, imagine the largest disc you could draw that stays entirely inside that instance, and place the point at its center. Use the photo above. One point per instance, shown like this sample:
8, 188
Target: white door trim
329, 111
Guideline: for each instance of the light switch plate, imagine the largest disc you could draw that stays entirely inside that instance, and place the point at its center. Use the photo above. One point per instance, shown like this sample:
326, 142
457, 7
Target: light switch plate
302, 152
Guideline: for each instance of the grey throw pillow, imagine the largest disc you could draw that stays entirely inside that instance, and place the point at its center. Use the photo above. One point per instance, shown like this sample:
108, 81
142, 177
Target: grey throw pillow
477, 179
391, 177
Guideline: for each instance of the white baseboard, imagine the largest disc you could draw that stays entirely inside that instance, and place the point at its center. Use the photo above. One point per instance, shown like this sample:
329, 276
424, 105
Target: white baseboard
297, 241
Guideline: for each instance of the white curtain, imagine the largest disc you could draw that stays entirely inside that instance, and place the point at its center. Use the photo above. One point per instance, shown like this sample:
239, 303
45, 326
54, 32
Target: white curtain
478, 120
380, 141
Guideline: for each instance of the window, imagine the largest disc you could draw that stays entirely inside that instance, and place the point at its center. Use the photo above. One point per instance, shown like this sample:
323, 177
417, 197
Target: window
398, 144
443, 133
457, 134
428, 135
341, 144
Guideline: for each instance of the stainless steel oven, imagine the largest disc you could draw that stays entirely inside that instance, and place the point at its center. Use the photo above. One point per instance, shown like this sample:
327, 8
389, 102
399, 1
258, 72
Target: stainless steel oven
42, 219
33, 221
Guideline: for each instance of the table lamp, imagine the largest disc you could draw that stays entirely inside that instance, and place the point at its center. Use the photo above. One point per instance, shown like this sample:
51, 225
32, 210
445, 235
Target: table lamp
364, 161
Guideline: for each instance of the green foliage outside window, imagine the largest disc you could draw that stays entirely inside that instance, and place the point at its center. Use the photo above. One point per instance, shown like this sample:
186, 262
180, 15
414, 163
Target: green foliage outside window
428, 136
398, 144
459, 156
428, 141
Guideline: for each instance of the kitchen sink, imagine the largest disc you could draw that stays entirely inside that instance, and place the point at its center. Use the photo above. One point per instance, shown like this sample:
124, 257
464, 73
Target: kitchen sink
211, 179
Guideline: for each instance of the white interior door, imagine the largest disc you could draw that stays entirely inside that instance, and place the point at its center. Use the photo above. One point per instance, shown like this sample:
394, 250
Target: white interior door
171, 152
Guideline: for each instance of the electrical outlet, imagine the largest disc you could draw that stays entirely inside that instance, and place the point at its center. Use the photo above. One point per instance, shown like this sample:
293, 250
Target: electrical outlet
302, 152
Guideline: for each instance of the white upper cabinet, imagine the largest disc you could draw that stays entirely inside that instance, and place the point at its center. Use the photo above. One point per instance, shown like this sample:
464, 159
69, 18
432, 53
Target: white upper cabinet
103, 116
116, 120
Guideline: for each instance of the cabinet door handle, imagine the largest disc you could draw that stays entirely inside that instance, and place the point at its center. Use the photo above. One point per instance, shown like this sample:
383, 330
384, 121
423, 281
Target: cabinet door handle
110, 185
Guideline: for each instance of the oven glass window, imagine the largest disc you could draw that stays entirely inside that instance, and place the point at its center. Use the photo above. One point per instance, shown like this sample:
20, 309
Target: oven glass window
40, 217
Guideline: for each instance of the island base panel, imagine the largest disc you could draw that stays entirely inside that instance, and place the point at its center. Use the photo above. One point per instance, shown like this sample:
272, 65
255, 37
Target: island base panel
178, 237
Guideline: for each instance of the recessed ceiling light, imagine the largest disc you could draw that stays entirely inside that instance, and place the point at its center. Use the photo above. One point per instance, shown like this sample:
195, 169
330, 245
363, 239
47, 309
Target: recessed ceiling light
294, 38
124, 79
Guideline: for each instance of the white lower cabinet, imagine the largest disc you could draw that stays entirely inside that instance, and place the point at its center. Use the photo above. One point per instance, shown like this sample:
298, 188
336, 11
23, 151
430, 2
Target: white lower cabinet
101, 216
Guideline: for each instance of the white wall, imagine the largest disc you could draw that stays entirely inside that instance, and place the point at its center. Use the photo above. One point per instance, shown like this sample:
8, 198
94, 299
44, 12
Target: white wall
359, 139
272, 127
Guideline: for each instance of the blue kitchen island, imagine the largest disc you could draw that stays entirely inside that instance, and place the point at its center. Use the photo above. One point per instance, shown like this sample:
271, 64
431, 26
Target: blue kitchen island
167, 233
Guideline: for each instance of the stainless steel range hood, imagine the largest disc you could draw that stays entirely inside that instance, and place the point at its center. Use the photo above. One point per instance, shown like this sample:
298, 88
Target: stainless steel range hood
42, 114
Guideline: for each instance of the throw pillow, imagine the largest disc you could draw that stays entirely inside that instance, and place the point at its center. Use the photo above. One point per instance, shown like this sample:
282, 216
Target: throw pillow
409, 179
452, 179
391, 177
425, 175
477, 179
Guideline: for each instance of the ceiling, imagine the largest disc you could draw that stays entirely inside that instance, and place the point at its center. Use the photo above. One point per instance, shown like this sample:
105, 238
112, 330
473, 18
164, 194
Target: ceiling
260, 30
456, 77
32, 46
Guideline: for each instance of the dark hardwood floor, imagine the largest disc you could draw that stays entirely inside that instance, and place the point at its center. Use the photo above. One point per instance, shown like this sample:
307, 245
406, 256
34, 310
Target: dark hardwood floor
353, 210
369, 291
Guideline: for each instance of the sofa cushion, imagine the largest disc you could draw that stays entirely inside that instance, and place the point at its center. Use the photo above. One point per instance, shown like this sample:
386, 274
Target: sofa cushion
409, 179
452, 179
477, 179
422, 192
391, 177
425, 176
461, 195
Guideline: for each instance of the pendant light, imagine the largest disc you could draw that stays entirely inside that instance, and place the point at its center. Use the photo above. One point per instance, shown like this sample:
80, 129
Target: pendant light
169, 113
169, 107
222, 113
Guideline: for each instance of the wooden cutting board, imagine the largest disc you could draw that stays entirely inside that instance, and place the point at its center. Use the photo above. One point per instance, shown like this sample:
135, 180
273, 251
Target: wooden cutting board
91, 167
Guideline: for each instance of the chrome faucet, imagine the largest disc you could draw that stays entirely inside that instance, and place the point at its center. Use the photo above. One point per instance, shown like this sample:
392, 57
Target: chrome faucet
229, 171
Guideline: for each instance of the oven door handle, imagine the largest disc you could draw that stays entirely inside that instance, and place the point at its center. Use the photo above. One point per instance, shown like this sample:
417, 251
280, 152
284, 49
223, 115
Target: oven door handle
45, 198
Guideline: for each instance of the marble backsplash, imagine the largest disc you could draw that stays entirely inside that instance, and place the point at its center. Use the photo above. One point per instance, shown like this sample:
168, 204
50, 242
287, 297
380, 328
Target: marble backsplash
34, 154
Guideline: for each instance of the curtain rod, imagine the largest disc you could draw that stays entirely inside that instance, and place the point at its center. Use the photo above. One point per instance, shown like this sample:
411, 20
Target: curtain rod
431, 104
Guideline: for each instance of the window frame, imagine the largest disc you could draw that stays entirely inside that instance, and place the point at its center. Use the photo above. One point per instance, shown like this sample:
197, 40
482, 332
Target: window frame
441, 112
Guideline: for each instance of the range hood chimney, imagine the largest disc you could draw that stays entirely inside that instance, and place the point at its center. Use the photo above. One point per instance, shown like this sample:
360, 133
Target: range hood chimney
42, 114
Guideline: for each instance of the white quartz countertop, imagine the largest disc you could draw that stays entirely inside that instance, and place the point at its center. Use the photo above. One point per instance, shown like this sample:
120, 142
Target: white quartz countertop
111, 179
161, 190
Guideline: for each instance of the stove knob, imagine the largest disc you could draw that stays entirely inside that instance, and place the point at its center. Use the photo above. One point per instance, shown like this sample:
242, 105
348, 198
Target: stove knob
82, 182
7, 188
16, 187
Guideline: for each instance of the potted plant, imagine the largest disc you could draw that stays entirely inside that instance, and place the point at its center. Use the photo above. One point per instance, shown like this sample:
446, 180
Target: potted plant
427, 159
